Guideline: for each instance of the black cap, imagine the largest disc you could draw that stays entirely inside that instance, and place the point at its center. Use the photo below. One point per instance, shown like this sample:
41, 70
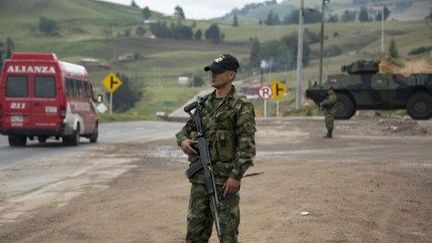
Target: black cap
330, 88
222, 63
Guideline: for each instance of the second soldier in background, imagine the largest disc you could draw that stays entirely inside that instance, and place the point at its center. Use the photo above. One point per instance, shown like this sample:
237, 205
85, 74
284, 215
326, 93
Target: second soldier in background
328, 106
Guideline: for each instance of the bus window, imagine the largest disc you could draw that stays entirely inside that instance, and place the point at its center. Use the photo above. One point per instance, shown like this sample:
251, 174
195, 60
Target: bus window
91, 94
70, 89
81, 89
75, 88
44, 87
16, 86
78, 88
87, 88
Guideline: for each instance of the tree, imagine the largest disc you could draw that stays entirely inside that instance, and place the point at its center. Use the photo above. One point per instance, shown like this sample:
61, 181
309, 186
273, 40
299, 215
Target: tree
270, 20
6, 50
198, 35
127, 32
140, 31
333, 19
146, 13
213, 33
161, 30
134, 5
10, 45
178, 11
386, 14
182, 32
47, 26
348, 16
363, 15
393, 49
235, 20
126, 96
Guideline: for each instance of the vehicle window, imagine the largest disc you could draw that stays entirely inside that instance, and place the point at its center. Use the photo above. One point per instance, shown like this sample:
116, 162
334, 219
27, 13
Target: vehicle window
44, 87
83, 92
70, 88
86, 90
91, 95
75, 88
17, 86
79, 86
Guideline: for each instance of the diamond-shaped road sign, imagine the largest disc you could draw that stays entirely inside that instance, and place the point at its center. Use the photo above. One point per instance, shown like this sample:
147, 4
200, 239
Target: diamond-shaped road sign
111, 82
278, 89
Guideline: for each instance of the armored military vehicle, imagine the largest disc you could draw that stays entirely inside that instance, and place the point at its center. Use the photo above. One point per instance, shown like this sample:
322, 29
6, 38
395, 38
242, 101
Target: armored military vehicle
362, 87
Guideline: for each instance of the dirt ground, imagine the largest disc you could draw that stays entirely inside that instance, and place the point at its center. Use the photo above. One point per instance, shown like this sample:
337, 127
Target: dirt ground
371, 183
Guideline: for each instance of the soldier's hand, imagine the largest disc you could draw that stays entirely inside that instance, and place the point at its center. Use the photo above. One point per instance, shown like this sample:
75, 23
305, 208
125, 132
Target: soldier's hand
187, 148
231, 186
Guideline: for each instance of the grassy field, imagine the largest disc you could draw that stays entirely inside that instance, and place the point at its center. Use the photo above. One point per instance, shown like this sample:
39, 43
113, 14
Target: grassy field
161, 62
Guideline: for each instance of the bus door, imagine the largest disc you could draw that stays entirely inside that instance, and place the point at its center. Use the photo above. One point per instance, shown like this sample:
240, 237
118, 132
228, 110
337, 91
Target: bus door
17, 101
45, 102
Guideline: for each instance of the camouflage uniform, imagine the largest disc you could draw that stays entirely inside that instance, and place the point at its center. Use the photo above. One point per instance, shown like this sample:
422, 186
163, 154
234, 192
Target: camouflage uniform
230, 126
328, 105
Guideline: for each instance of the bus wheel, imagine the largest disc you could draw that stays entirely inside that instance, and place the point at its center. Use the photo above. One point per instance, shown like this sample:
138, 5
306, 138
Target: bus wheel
42, 139
72, 140
17, 140
75, 138
95, 134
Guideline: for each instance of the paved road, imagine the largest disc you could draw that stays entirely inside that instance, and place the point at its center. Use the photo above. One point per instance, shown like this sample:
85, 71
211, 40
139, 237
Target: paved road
110, 133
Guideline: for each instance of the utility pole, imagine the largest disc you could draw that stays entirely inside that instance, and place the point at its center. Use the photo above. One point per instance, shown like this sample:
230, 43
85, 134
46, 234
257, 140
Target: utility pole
299, 78
382, 30
322, 41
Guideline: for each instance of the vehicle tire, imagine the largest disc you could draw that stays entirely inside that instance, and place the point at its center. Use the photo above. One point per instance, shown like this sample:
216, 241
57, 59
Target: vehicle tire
42, 139
17, 141
75, 139
419, 106
94, 136
344, 107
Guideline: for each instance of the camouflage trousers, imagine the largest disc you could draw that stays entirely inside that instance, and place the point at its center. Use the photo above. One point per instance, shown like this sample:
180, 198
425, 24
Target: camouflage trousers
329, 120
200, 220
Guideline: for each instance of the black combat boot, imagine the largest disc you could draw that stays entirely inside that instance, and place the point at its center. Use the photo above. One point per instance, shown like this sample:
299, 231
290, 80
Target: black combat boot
329, 133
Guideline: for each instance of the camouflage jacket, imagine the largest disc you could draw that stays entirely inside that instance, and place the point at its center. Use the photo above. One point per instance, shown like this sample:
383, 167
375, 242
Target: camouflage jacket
328, 104
230, 127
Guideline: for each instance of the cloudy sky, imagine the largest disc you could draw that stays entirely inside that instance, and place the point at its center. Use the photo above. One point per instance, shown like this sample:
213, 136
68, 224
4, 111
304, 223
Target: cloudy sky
194, 9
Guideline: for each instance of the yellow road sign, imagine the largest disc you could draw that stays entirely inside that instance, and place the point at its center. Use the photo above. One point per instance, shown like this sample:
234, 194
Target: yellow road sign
278, 89
111, 82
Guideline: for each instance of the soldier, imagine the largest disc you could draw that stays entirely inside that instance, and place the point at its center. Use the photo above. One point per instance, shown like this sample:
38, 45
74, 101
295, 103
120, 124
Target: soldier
229, 119
328, 105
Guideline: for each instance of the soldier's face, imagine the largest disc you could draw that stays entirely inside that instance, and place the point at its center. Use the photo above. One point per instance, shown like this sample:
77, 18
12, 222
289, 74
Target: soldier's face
220, 80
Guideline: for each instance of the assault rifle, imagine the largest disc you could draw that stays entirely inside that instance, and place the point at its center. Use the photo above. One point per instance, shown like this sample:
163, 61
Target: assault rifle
203, 162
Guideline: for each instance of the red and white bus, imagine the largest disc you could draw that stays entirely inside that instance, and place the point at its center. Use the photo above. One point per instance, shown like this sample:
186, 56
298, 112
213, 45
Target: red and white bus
42, 97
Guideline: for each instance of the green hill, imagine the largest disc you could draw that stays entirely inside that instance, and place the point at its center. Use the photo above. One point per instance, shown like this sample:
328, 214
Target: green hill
93, 29
400, 10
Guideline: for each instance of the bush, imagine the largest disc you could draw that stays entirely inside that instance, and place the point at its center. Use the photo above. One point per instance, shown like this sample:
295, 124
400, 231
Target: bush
332, 50
47, 26
420, 50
